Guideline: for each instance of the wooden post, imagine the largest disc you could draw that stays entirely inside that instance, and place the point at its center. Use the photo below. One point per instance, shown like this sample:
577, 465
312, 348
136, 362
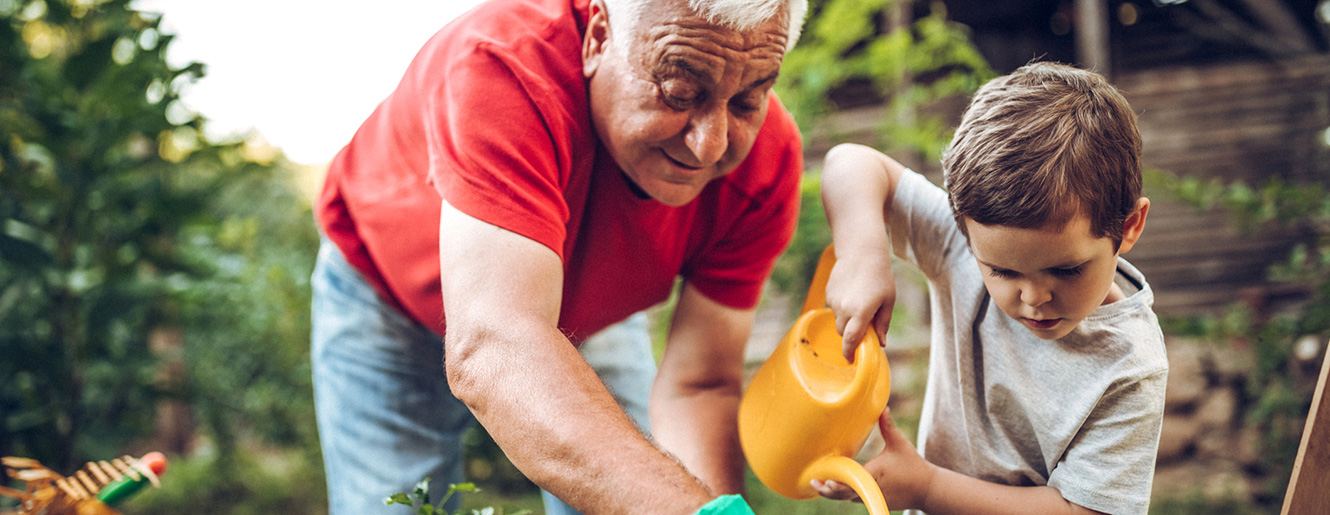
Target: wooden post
1092, 42
1309, 488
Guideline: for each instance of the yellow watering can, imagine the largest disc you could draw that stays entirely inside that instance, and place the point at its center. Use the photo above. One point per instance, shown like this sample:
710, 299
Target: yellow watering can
807, 412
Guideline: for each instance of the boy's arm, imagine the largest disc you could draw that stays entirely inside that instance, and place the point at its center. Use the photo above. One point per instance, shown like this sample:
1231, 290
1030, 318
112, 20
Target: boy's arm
953, 492
858, 184
910, 482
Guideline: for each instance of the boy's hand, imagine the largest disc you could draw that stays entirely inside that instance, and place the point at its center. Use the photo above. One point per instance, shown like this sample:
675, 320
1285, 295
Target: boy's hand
861, 292
902, 474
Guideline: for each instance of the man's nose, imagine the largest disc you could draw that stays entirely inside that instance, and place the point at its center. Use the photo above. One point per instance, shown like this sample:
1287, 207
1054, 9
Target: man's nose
708, 135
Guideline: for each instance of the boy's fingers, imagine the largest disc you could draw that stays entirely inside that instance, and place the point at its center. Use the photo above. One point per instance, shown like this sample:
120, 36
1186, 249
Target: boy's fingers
833, 490
854, 333
881, 323
884, 422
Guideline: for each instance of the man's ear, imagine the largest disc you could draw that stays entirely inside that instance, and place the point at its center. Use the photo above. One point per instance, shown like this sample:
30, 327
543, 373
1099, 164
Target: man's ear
596, 41
1134, 226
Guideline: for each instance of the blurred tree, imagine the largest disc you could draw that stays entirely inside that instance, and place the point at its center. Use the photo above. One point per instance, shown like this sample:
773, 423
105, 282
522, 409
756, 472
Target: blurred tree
902, 56
121, 223
93, 198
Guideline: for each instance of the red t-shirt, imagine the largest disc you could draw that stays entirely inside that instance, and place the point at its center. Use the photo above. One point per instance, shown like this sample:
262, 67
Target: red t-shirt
492, 115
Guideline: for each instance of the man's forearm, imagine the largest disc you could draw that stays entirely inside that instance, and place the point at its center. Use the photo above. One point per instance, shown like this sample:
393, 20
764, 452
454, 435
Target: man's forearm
554, 419
700, 428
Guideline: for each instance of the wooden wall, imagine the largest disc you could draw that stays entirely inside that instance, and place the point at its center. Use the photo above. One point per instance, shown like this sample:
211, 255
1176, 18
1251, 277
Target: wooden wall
1246, 121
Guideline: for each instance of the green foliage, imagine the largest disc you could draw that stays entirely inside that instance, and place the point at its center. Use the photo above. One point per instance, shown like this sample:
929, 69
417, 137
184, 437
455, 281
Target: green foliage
120, 222
419, 500
913, 67
259, 483
100, 173
846, 42
1195, 502
1278, 386
794, 270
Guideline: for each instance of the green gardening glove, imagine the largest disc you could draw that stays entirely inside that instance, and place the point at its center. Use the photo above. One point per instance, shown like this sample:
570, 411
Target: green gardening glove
726, 505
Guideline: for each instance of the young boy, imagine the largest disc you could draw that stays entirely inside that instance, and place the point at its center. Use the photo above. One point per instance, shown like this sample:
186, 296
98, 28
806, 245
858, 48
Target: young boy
1047, 368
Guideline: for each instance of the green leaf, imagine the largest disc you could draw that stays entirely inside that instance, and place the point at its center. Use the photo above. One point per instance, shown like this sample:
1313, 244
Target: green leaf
457, 487
397, 498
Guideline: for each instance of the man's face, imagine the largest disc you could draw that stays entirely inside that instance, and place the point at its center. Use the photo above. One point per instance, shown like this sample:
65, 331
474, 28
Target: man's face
679, 101
1048, 279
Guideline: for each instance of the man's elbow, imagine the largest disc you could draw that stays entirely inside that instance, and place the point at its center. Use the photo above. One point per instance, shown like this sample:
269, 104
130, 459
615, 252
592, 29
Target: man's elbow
462, 364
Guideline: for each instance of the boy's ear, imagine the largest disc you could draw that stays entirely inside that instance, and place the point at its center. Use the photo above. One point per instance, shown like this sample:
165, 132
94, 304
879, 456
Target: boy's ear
596, 40
1134, 226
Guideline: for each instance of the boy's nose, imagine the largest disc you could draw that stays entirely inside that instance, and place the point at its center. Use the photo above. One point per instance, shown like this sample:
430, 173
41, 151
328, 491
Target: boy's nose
1035, 295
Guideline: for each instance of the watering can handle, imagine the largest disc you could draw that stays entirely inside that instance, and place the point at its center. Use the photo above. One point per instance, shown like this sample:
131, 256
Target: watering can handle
817, 291
850, 473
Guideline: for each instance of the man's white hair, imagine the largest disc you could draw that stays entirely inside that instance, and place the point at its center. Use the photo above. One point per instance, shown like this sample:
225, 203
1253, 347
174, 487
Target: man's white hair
739, 15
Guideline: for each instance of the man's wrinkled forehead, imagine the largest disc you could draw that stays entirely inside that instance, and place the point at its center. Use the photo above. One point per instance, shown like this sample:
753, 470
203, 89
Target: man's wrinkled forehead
685, 40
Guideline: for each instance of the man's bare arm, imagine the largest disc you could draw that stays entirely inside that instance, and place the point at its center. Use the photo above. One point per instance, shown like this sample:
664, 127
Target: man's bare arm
508, 362
695, 399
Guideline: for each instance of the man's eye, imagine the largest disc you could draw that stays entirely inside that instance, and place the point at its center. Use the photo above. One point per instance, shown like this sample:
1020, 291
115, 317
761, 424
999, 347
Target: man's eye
679, 94
747, 103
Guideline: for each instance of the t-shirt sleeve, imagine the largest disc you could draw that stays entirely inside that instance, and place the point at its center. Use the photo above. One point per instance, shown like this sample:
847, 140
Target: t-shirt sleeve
734, 269
498, 145
923, 230
1110, 464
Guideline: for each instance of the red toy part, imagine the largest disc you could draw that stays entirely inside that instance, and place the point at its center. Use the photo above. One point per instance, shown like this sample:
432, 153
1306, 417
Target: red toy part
155, 461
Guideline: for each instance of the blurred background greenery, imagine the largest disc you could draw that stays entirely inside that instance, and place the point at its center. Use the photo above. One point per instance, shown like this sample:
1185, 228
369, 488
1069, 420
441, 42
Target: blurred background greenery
154, 282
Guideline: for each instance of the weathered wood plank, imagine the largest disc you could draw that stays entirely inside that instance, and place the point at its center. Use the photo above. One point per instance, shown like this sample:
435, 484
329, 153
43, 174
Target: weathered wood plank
1309, 488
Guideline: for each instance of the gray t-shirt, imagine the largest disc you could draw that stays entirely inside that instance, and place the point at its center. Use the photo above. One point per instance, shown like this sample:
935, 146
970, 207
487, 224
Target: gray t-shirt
1081, 414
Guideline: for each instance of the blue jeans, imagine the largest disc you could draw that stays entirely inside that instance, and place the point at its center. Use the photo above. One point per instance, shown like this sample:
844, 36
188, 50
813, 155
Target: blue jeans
386, 417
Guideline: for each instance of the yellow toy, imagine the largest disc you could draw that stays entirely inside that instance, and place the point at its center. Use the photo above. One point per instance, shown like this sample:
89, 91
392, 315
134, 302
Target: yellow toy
808, 412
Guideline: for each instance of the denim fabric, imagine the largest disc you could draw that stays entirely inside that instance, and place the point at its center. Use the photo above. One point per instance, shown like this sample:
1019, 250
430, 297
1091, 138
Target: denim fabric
386, 417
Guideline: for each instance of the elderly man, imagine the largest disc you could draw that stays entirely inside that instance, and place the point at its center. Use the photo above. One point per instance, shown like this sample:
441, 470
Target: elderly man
545, 170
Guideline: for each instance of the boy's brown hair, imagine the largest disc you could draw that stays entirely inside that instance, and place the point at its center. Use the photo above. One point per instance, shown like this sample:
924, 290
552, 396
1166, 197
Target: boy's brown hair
1042, 144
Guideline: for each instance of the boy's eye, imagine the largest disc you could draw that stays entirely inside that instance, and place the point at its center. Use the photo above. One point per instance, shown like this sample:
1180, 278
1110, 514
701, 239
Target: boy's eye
1000, 273
1067, 272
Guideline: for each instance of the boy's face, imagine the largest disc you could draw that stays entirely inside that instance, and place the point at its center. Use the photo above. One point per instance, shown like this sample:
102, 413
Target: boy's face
1048, 279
